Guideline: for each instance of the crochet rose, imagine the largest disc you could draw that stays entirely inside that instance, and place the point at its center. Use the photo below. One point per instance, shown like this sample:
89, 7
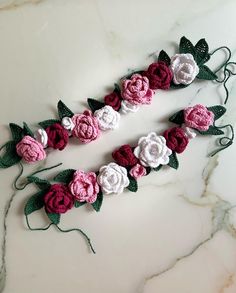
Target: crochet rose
57, 136
159, 75
107, 118
152, 150
184, 68
190, 132
124, 156
126, 107
176, 139
137, 171
136, 90
67, 123
113, 100
112, 178
86, 127
30, 150
198, 117
84, 186
58, 199
41, 137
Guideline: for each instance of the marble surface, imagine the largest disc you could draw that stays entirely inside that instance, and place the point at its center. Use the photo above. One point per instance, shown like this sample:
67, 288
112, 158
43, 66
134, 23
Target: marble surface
178, 233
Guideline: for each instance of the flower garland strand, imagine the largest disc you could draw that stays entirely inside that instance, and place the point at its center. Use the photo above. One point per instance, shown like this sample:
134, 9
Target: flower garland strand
75, 188
134, 90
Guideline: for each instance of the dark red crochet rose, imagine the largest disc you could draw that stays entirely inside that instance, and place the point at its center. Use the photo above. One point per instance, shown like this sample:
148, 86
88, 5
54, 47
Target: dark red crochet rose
124, 156
176, 139
159, 75
57, 136
113, 100
58, 199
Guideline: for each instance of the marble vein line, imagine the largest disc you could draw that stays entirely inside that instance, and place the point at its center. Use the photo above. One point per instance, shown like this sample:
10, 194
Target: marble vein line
3, 271
10, 5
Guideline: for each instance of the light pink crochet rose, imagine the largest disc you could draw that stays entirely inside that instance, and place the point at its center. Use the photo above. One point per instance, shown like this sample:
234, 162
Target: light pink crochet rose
137, 171
30, 150
136, 90
198, 117
86, 127
84, 186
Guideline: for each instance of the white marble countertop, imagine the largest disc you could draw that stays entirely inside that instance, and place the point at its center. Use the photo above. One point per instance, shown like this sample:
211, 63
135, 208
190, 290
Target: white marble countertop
174, 234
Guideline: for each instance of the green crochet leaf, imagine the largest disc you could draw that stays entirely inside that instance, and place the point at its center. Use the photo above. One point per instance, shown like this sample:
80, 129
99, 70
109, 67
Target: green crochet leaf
178, 117
163, 56
65, 176
95, 105
34, 203
78, 204
148, 170
202, 52
10, 157
16, 131
27, 130
117, 88
185, 46
46, 123
40, 183
212, 130
133, 185
98, 203
218, 111
173, 163
54, 218
63, 110
177, 86
206, 73
157, 168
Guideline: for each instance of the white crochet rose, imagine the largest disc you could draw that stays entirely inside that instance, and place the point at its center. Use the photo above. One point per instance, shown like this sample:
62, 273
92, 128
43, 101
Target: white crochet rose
184, 68
190, 132
67, 123
41, 137
152, 150
112, 178
126, 107
107, 118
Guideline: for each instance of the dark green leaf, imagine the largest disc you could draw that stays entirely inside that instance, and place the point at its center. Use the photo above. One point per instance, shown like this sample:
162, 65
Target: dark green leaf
54, 218
116, 88
185, 46
63, 110
148, 170
98, 203
34, 203
202, 52
173, 162
78, 204
157, 168
163, 56
49, 122
41, 183
177, 86
206, 73
65, 176
27, 130
178, 117
95, 105
16, 131
218, 111
9, 157
133, 185
212, 130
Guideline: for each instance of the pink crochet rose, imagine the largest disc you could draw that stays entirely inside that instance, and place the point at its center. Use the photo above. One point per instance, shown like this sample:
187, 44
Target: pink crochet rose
137, 171
86, 127
136, 90
198, 117
84, 186
30, 150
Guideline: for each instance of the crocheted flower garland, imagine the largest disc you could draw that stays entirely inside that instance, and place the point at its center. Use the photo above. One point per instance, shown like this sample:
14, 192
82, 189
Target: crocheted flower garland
135, 90
75, 188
